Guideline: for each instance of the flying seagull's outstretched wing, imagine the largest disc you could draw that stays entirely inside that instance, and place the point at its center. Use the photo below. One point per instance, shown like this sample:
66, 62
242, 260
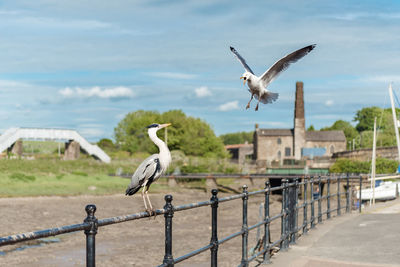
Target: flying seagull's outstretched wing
239, 57
284, 63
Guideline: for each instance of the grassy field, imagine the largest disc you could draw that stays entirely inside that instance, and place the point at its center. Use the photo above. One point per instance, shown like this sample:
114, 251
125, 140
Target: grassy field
47, 174
52, 176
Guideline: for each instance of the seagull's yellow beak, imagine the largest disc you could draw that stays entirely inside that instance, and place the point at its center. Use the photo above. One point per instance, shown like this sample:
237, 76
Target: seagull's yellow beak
164, 125
244, 80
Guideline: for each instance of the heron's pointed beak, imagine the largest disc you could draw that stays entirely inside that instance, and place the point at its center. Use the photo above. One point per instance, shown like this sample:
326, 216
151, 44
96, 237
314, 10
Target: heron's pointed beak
164, 125
244, 81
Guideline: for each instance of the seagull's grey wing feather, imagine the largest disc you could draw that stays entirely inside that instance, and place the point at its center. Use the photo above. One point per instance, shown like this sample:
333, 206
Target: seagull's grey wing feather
146, 170
239, 57
284, 63
267, 97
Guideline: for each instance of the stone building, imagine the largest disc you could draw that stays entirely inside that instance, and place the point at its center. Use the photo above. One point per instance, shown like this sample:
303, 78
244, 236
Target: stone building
277, 145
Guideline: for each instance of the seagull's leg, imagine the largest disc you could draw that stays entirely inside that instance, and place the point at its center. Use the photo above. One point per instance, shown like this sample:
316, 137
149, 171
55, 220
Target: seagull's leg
151, 207
259, 98
248, 104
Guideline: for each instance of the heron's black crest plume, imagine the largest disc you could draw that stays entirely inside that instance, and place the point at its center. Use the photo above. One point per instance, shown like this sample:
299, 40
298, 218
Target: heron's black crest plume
153, 125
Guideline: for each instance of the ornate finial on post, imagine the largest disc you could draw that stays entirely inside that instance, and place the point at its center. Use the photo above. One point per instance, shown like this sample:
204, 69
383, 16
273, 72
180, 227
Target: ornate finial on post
214, 192
90, 210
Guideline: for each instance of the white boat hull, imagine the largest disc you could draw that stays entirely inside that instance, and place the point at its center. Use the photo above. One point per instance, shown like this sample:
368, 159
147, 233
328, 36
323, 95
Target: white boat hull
385, 191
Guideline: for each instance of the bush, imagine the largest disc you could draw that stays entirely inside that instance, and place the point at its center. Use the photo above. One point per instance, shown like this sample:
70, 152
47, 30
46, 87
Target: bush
383, 166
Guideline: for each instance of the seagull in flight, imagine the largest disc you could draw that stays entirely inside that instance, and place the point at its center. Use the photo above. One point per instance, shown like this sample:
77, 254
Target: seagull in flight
258, 85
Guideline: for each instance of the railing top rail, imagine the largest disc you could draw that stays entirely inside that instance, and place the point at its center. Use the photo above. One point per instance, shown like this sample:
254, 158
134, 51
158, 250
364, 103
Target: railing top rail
12, 239
256, 176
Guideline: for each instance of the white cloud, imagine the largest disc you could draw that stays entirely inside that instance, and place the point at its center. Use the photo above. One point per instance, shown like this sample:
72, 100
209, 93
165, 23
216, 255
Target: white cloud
202, 91
173, 75
97, 92
329, 103
229, 106
382, 78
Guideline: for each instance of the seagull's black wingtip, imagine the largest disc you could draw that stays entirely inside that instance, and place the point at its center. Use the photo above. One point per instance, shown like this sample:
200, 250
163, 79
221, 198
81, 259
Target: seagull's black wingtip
232, 49
313, 46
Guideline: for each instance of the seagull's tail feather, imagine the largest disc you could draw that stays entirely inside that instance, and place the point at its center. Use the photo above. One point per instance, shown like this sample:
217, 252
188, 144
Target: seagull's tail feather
132, 190
268, 97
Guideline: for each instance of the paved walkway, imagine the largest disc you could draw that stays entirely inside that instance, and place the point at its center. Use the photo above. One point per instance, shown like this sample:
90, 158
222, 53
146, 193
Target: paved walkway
369, 239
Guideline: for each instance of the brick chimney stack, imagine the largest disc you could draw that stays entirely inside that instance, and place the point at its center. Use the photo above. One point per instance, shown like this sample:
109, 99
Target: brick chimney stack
299, 138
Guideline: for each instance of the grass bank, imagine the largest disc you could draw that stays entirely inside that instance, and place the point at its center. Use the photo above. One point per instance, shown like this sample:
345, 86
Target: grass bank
52, 176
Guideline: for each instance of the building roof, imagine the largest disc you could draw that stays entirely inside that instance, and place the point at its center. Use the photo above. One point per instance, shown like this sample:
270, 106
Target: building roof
238, 146
325, 136
275, 132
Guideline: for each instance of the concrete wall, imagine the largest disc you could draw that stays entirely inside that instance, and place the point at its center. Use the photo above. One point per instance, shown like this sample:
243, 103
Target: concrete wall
365, 154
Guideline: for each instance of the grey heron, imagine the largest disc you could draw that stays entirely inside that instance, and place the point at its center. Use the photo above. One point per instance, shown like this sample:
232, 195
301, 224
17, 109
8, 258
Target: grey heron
152, 167
258, 85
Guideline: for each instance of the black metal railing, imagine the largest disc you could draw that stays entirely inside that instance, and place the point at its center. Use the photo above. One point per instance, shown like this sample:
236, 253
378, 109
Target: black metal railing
291, 187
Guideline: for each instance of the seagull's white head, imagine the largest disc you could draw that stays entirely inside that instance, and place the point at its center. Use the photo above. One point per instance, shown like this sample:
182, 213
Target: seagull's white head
246, 76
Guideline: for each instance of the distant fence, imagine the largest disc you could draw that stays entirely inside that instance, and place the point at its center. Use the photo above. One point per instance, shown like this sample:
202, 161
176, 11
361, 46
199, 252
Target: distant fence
290, 228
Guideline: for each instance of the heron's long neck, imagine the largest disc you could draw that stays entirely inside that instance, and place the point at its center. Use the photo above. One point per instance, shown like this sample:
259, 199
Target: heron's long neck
165, 155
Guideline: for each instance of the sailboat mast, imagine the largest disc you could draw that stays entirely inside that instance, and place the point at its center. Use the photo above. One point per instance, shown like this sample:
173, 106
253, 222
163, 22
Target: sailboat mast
396, 128
373, 165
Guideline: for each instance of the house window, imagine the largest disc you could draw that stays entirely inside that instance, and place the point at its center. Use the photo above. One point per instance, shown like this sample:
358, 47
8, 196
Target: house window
332, 149
279, 141
279, 155
287, 152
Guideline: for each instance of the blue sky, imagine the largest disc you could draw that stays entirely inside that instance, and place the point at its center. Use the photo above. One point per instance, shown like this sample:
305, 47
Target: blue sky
85, 64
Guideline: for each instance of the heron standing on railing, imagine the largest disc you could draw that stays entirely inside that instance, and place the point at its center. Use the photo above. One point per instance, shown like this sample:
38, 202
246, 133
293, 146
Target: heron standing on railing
151, 168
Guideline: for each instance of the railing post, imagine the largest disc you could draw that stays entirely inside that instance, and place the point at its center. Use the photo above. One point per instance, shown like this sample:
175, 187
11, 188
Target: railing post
359, 199
305, 208
245, 229
266, 255
214, 229
169, 213
348, 193
284, 216
328, 200
295, 212
312, 202
319, 200
338, 195
287, 213
91, 235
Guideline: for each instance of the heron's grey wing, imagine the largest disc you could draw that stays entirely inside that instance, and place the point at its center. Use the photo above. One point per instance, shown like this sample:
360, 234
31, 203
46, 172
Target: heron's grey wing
283, 63
239, 57
145, 170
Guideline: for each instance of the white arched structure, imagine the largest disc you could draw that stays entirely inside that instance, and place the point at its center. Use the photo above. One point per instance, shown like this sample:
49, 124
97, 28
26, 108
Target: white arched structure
10, 136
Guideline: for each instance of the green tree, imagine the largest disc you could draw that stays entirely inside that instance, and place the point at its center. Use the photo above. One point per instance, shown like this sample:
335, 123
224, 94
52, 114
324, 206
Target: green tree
311, 128
365, 118
349, 131
106, 144
191, 135
237, 138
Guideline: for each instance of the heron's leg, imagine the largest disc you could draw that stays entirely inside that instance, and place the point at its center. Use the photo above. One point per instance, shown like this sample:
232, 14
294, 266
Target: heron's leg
248, 104
151, 207
144, 200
